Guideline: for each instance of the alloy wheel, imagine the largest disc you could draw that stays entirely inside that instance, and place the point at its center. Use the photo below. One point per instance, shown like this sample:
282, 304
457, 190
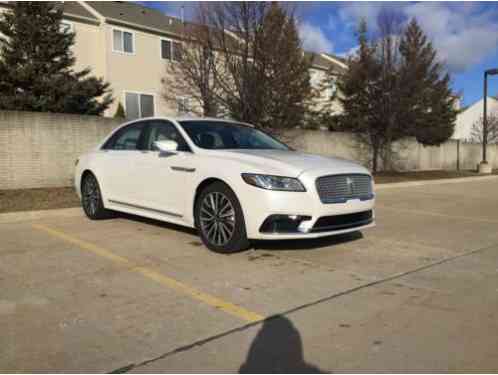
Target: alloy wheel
217, 218
91, 195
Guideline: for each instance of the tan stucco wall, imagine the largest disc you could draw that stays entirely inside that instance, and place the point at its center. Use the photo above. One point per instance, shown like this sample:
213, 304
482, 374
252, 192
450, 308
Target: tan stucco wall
88, 47
138, 72
318, 78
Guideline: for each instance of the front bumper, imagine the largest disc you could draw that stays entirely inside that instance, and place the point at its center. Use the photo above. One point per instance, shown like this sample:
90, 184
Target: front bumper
258, 205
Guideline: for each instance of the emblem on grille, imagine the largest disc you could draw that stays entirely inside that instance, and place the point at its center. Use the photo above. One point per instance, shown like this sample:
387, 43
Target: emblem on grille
350, 183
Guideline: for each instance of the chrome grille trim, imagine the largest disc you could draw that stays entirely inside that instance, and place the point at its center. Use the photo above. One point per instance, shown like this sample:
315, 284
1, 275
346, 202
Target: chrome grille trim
340, 188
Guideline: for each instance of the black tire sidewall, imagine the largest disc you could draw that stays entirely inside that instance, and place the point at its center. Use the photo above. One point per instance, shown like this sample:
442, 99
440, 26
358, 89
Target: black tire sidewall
101, 212
239, 240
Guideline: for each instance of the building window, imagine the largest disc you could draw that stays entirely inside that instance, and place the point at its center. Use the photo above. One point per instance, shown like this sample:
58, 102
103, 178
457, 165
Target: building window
171, 50
123, 41
66, 27
139, 105
182, 106
333, 88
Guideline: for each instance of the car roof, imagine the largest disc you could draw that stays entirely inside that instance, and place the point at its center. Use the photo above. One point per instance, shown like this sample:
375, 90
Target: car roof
193, 118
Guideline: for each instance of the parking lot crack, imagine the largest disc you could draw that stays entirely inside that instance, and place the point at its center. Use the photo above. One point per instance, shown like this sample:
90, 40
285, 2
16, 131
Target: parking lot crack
242, 328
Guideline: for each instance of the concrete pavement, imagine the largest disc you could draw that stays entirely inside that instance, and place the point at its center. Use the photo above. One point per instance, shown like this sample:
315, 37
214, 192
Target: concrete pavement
417, 293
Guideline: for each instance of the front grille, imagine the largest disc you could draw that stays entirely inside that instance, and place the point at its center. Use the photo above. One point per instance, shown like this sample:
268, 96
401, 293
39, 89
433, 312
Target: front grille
340, 188
338, 222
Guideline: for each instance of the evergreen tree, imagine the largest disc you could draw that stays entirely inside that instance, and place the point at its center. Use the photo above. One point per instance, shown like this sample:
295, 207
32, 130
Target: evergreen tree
120, 112
428, 101
361, 98
36, 64
282, 69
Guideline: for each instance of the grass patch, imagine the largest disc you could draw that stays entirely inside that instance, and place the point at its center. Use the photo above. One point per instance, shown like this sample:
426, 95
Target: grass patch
390, 177
37, 199
51, 198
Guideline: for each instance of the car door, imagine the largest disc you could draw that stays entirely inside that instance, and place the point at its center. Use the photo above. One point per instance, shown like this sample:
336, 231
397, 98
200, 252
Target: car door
165, 176
119, 158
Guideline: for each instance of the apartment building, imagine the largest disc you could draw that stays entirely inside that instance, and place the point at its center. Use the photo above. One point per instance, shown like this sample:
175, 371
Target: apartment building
129, 46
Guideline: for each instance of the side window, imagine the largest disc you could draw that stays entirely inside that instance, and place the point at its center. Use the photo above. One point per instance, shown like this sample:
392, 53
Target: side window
127, 138
162, 130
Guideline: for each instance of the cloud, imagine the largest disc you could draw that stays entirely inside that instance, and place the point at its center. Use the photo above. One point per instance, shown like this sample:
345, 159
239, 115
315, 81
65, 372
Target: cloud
349, 52
464, 34
314, 39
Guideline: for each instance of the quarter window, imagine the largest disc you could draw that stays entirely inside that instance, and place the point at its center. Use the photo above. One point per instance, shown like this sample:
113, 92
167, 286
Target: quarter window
139, 105
123, 41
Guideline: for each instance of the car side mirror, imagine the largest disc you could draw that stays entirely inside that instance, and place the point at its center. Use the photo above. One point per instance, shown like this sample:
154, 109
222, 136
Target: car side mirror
166, 146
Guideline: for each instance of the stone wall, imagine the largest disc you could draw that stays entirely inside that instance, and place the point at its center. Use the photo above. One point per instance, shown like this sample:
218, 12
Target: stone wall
39, 149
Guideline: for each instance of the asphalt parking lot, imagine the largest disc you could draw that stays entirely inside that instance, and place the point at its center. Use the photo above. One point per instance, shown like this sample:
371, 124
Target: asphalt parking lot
417, 293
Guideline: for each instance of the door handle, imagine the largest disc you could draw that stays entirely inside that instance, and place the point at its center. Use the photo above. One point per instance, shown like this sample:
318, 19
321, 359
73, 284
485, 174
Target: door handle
183, 169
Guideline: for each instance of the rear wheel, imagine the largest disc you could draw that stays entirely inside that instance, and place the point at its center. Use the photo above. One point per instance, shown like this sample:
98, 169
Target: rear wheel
91, 198
220, 220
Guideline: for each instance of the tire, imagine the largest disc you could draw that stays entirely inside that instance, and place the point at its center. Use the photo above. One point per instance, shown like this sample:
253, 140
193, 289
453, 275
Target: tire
91, 198
219, 219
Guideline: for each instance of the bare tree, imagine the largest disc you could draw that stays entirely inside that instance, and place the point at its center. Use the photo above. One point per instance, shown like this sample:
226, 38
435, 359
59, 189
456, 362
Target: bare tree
371, 90
246, 59
190, 73
478, 126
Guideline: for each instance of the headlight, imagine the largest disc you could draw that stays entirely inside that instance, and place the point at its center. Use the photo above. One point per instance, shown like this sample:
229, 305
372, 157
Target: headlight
273, 182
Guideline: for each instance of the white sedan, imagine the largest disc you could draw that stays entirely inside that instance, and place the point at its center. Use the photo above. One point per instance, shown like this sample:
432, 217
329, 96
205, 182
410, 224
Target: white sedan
229, 180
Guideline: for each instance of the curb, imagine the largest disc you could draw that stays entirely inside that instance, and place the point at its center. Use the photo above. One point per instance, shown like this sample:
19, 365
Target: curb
16, 217
394, 185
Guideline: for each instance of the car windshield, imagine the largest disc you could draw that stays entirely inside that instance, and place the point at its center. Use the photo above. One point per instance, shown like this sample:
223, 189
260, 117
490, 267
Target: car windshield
219, 135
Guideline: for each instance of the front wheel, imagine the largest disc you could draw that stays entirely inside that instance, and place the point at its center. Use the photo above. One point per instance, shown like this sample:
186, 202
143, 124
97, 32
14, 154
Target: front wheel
220, 220
91, 198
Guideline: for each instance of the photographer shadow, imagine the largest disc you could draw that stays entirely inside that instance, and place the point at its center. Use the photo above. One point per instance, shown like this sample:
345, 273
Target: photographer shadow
277, 348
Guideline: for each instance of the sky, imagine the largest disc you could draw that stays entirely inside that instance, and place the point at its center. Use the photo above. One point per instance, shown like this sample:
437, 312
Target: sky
465, 34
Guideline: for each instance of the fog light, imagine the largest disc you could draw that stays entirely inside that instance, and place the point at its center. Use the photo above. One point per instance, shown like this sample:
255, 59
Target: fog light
283, 223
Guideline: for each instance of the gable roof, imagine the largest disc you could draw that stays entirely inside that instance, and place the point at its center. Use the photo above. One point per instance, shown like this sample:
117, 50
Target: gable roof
142, 17
136, 15
74, 8
325, 61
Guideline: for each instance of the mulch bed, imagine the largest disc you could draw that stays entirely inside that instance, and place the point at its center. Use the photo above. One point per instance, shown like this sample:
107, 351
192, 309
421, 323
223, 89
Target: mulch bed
37, 199
51, 198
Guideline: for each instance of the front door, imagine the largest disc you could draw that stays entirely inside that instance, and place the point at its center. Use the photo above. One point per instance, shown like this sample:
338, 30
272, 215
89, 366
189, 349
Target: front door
164, 175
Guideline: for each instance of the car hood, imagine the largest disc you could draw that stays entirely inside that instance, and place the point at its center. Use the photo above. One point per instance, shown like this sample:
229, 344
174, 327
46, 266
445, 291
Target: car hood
291, 163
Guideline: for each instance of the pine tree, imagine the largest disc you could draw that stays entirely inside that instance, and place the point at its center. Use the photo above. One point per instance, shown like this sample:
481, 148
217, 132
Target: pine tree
361, 97
283, 70
120, 112
428, 100
36, 64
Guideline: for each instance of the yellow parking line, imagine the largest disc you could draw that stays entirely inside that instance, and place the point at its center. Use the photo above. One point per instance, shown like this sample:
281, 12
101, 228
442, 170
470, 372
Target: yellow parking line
178, 286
